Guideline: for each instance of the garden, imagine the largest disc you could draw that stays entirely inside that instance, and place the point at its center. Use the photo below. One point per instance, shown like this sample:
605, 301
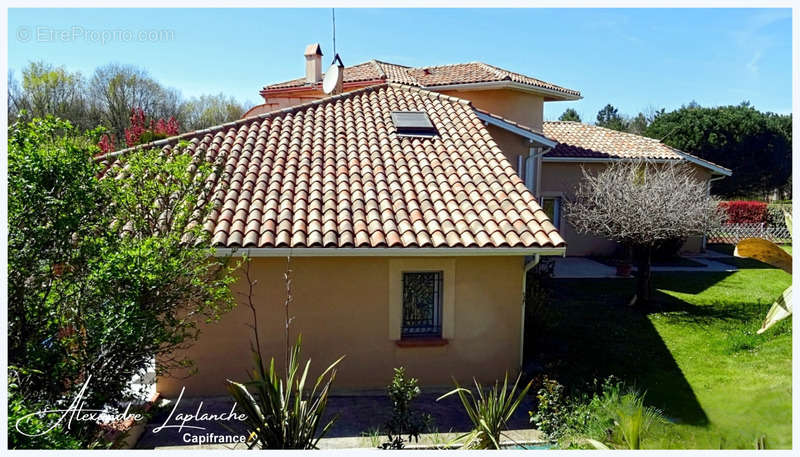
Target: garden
697, 358
683, 365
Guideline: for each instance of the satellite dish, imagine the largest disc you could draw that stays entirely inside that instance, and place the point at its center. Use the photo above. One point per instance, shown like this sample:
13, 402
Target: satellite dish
331, 79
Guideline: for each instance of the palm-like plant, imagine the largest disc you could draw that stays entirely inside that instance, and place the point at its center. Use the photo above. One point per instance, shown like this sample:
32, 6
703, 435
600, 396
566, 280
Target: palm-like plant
632, 419
770, 253
488, 411
280, 415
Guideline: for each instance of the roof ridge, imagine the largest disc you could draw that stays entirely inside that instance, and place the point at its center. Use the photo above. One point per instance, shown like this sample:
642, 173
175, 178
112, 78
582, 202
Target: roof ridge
498, 71
625, 133
404, 68
246, 120
391, 63
445, 65
380, 69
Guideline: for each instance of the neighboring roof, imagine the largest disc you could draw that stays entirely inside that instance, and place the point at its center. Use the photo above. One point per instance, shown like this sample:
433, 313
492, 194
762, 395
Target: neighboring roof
433, 77
333, 173
584, 141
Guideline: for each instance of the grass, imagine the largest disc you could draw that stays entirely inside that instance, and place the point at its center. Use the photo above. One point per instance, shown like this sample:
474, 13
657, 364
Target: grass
697, 356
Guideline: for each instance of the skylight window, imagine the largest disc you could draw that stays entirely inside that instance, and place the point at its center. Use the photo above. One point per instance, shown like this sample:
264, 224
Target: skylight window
413, 123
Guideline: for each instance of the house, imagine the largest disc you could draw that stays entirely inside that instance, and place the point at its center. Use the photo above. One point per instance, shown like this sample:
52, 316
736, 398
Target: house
548, 156
408, 208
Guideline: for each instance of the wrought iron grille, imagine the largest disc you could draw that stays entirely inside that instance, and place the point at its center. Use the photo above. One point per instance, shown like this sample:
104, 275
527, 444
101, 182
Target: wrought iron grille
422, 304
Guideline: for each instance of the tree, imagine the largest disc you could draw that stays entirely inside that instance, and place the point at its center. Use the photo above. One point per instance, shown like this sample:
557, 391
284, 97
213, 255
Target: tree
755, 146
210, 110
570, 115
641, 204
108, 266
47, 89
637, 125
108, 98
608, 117
117, 89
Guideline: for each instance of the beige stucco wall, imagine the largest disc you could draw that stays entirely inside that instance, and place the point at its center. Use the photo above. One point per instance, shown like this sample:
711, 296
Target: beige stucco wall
561, 179
511, 144
525, 108
341, 306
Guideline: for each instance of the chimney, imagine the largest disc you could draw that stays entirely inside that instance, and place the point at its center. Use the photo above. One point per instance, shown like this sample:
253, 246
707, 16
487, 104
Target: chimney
313, 63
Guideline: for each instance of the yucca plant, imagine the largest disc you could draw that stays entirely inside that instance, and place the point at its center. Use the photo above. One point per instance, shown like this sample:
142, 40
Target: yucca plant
488, 411
280, 414
770, 253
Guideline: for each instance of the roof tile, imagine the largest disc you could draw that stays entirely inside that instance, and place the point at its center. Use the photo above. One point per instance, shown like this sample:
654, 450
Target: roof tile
333, 173
431, 77
578, 140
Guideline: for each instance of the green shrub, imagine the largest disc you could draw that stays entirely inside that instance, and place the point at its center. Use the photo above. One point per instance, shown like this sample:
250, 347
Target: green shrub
775, 216
405, 421
488, 411
552, 410
22, 422
84, 300
614, 416
632, 419
280, 413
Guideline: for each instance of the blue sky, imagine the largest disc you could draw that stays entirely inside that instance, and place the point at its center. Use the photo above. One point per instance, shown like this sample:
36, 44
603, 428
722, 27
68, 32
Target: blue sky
634, 59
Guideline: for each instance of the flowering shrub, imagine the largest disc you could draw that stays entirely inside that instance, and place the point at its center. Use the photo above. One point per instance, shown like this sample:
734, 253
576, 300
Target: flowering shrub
143, 130
106, 144
744, 212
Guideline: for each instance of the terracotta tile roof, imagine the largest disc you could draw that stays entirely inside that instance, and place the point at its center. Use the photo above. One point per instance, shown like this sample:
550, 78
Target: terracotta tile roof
431, 77
366, 71
583, 140
332, 173
580, 140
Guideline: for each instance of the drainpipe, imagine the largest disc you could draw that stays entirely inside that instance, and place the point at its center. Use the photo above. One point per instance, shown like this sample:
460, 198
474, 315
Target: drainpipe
527, 268
708, 193
537, 169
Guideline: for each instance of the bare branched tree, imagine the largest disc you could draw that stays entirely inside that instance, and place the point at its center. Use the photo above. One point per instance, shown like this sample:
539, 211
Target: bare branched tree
641, 204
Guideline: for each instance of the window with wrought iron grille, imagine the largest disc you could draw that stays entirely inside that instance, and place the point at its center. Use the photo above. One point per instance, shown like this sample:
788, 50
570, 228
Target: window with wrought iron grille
422, 304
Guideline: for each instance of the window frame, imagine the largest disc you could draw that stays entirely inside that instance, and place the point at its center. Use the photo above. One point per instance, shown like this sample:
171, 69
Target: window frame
557, 201
436, 318
394, 296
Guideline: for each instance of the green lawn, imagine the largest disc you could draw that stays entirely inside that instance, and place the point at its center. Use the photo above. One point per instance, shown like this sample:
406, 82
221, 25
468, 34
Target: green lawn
698, 356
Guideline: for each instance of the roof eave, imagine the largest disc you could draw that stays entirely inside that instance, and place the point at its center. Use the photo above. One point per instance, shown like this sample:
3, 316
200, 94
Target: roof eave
715, 169
554, 94
530, 135
389, 252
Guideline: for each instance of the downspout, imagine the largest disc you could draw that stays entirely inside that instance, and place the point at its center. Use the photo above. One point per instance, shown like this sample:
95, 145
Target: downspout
537, 170
708, 193
527, 268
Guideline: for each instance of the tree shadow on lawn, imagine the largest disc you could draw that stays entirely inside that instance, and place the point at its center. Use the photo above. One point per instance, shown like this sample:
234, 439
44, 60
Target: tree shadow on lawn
596, 335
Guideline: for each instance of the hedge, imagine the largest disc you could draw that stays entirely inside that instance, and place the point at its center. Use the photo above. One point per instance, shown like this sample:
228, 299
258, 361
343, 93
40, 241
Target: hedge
745, 212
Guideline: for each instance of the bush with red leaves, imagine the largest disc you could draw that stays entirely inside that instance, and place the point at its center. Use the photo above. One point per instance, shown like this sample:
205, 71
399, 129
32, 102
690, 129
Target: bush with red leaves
107, 144
144, 130
744, 212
